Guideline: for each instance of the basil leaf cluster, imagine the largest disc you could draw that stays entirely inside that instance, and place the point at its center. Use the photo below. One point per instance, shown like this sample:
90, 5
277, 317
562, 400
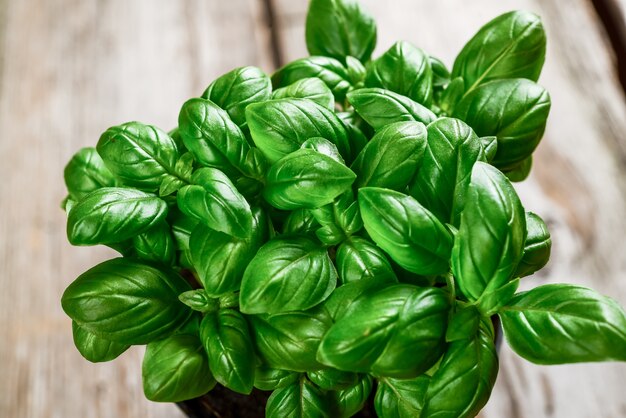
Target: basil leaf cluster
341, 230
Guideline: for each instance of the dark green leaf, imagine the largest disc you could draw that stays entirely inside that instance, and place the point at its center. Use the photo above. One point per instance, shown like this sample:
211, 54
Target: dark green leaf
403, 69
463, 324
85, 173
156, 244
381, 107
441, 74
238, 88
358, 259
490, 147
213, 200
356, 138
333, 379
226, 339
490, 240
127, 301
514, 110
311, 88
300, 222
327, 69
140, 155
401, 398
298, 400
512, 45
338, 28
356, 70
280, 127
176, 369
182, 225
398, 331
93, 348
561, 323
287, 274
199, 301
521, 171
392, 157
536, 247
111, 214
408, 232
267, 378
443, 178
306, 179
347, 402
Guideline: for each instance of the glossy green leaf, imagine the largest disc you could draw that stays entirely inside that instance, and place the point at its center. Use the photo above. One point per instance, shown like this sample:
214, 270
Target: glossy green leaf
235, 90
333, 379
441, 74
306, 179
220, 259
85, 173
339, 219
299, 400
199, 301
562, 323
323, 146
113, 214
267, 378
94, 348
463, 323
300, 222
127, 301
404, 69
514, 110
490, 147
290, 340
213, 200
287, 274
338, 28
398, 331
216, 141
443, 178
490, 240
392, 157
356, 138
156, 244
462, 384
226, 339
279, 127
381, 107
182, 225
356, 70
347, 402
176, 369
536, 247
140, 155
401, 398
512, 45
404, 229
329, 70
359, 259
311, 88
342, 297
521, 171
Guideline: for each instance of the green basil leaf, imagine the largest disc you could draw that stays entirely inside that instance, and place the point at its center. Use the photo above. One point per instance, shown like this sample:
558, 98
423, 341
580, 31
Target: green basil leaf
398, 331
216, 141
300, 222
176, 369
287, 274
356, 138
226, 339
199, 301
333, 379
338, 28
514, 110
213, 200
342, 297
280, 127
404, 229
512, 45
306, 179
463, 324
329, 70
94, 348
451, 95
140, 155
490, 240
443, 178
401, 398
182, 226
491, 301
156, 244
169, 185
392, 157
220, 259
111, 214
561, 323
441, 74
238, 88
323, 146
521, 171
490, 147
127, 301
462, 384
536, 247
85, 173
290, 340
347, 402
299, 400
381, 107
311, 88
356, 70
404, 69
358, 259
267, 378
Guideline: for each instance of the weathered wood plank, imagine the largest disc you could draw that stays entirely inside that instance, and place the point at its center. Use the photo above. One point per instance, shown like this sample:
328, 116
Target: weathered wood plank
70, 69
578, 183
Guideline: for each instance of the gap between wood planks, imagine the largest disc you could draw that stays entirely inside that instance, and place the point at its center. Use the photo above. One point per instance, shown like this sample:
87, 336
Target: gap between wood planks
278, 57
612, 18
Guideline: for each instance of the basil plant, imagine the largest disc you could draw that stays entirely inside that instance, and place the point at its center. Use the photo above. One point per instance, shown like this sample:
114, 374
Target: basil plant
343, 230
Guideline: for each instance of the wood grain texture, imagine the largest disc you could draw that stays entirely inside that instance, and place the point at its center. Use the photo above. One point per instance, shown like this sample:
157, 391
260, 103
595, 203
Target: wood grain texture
578, 182
70, 69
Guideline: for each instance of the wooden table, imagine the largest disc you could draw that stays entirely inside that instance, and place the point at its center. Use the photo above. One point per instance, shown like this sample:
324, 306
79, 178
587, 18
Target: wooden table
71, 68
